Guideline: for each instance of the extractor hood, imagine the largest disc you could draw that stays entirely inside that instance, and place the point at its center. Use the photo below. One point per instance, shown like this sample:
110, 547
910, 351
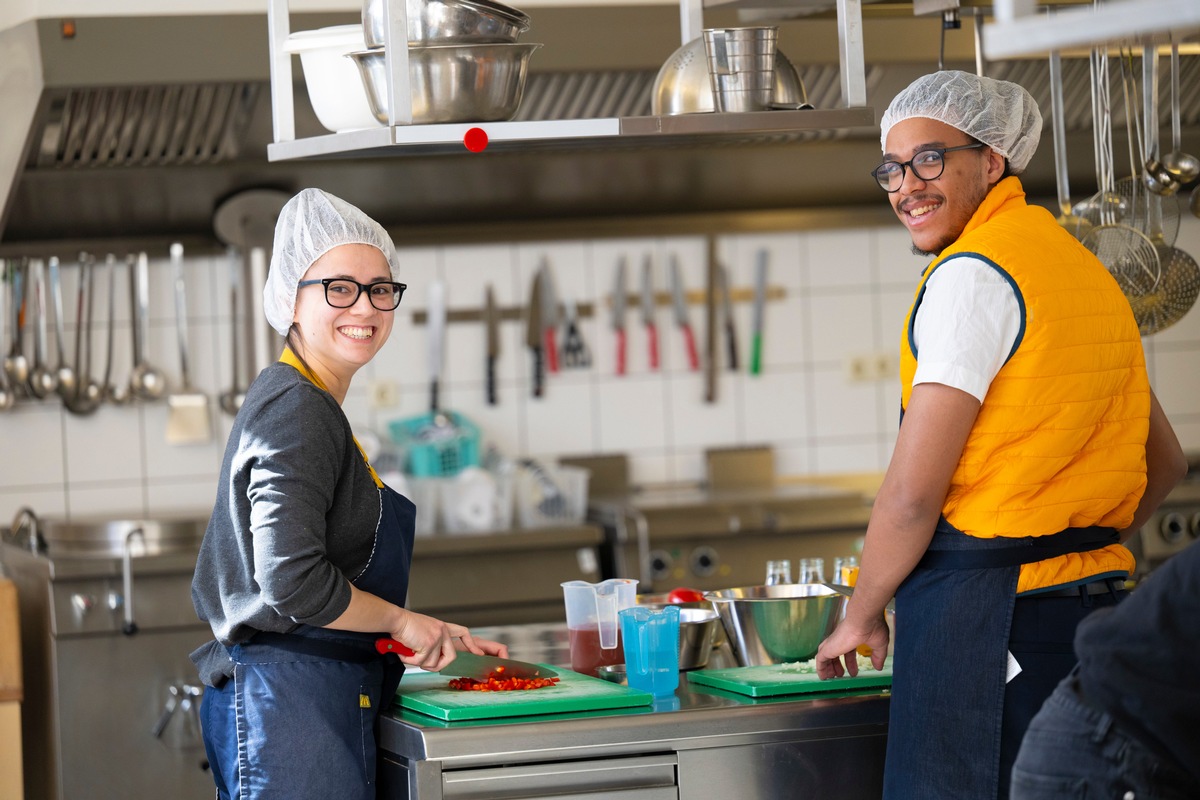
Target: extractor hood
136, 128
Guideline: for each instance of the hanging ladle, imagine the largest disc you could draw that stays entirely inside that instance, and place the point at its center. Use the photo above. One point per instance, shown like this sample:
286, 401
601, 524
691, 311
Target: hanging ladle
7, 398
146, 382
88, 395
1184, 166
43, 381
65, 374
16, 366
1156, 176
116, 393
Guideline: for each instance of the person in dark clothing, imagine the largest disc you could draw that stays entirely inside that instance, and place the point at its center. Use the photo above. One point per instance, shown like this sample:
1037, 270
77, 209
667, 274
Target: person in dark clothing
1126, 722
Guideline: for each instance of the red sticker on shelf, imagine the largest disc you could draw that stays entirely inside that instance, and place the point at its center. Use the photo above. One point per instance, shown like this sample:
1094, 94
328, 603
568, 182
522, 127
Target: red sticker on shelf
476, 140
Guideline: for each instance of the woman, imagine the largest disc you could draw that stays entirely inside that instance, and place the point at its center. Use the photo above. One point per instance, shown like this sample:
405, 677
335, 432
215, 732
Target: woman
305, 561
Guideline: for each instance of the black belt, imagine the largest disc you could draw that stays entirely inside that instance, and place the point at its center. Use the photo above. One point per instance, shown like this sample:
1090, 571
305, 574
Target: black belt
1095, 587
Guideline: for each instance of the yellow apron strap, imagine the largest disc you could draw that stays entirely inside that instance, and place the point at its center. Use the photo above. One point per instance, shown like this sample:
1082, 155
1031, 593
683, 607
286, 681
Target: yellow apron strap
292, 360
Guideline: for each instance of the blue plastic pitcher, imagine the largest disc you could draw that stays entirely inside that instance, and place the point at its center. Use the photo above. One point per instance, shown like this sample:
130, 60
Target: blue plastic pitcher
651, 637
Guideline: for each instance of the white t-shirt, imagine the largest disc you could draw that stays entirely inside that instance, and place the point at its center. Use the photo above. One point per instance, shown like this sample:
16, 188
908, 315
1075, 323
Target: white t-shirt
966, 325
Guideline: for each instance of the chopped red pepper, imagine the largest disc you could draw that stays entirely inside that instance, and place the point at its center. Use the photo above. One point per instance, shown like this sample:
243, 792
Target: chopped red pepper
497, 683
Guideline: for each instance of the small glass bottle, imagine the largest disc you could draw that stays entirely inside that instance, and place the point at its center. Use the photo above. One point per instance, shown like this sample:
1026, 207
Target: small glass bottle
779, 572
812, 570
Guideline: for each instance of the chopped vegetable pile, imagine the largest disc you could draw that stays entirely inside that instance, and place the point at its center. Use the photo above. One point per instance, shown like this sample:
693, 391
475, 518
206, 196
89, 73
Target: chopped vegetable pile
495, 683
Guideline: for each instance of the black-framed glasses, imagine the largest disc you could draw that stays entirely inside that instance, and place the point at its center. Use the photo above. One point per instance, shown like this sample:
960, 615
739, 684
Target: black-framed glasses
928, 165
343, 292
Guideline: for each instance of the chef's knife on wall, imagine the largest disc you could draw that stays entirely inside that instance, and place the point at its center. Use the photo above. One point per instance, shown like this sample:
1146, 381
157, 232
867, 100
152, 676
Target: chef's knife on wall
618, 315
491, 321
731, 351
679, 301
534, 333
648, 310
760, 302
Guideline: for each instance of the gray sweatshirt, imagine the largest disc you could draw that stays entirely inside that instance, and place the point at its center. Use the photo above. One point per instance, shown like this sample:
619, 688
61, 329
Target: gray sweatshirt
294, 520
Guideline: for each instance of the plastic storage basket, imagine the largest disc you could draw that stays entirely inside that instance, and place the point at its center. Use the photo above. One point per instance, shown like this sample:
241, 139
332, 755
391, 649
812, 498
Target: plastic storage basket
549, 496
478, 500
437, 445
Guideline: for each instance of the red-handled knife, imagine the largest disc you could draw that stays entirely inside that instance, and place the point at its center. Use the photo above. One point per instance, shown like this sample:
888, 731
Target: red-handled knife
679, 300
469, 665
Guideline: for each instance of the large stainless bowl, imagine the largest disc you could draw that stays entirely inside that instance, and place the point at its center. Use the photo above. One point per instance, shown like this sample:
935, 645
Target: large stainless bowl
777, 624
698, 627
448, 21
453, 83
683, 87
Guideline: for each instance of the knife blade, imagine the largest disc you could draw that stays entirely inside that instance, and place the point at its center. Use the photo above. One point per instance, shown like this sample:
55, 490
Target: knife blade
681, 315
491, 321
550, 316
534, 332
727, 312
618, 314
760, 300
848, 591
648, 310
437, 330
470, 665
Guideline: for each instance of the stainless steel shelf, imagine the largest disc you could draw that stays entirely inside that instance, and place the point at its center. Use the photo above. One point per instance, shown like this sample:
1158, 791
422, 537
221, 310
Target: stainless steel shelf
1128, 21
448, 138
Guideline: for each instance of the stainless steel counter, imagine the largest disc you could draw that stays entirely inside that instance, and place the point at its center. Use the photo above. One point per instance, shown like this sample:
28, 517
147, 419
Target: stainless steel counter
701, 743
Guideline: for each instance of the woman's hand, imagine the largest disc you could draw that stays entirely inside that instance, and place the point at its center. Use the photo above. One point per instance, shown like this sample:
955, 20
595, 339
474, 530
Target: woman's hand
843, 643
432, 641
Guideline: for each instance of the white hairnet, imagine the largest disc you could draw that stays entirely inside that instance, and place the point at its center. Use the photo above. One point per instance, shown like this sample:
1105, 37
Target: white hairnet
1000, 114
311, 224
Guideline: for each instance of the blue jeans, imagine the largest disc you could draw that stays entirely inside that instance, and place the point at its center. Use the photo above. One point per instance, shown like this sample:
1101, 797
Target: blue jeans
1075, 752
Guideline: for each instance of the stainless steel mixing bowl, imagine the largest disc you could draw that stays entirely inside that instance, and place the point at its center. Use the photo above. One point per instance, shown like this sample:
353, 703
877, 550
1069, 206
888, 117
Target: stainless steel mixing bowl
453, 83
683, 87
777, 624
449, 21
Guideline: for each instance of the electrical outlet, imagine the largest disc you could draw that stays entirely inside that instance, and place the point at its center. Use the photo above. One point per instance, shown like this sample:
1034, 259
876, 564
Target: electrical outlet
863, 368
385, 394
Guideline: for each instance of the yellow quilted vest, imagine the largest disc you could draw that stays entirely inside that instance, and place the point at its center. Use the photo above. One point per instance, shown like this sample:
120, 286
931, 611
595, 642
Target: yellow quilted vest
1060, 440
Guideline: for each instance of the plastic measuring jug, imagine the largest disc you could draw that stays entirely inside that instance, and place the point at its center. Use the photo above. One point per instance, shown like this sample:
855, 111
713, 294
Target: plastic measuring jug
593, 627
651, 648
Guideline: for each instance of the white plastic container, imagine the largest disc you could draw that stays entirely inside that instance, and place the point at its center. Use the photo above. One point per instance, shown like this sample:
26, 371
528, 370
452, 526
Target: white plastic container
335, 87
477, 500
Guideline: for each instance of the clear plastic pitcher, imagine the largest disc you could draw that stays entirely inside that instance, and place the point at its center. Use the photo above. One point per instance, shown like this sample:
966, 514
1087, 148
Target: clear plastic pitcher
593, 627
651, 648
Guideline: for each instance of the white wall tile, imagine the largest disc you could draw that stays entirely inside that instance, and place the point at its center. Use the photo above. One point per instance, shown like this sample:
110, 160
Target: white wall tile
165, 460
843, 408
1177, 380
104, 446
184, 498
777, 409
632, 414
839, 258
896, 264
562, 420
832, 458
32, 434
98, 500
841, 326
695, 423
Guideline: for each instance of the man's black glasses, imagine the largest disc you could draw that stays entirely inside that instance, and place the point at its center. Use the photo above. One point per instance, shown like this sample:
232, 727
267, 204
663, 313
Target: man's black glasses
927, 165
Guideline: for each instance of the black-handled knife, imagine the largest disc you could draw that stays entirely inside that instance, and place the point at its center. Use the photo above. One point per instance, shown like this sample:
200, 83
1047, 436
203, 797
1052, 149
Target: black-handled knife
491, 320
534, 334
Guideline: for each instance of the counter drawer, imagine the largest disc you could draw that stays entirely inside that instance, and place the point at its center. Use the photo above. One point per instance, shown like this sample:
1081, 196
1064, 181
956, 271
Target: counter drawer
635, 778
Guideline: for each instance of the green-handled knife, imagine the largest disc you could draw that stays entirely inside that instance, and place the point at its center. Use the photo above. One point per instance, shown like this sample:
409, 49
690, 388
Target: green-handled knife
760, 302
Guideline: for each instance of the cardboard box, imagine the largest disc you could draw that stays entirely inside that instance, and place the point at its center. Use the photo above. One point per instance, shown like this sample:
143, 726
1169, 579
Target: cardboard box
10, 643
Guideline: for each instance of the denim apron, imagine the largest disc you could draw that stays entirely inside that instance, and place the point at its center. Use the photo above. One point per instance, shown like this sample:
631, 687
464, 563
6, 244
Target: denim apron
953, 616
298, 719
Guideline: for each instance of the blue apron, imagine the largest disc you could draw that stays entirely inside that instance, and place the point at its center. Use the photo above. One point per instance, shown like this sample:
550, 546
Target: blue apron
299, 718
953, 617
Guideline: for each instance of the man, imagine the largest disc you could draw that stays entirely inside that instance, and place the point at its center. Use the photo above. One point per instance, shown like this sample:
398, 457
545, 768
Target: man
1030, 446
1124, 723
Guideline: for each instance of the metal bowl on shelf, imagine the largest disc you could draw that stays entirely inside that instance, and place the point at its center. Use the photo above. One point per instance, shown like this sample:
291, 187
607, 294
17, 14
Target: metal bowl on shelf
449, 21
777, 624
452, 83
682, 85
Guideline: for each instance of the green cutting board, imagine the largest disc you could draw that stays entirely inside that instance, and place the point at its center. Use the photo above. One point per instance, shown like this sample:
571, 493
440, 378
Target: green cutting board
792, 678
429, 693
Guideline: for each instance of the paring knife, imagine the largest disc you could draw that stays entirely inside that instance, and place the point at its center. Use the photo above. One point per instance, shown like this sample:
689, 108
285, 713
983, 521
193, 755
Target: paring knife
550, 316
731, 352
618, 314
534, 332
648, 310
760, 301
491, 321
469, 665
681, 315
